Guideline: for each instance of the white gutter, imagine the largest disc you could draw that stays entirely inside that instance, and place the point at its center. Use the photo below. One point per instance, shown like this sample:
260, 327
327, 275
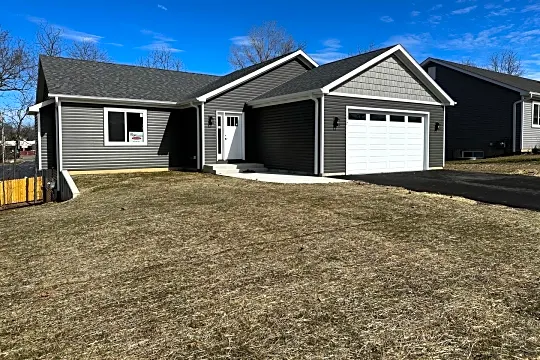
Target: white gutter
38, 120
199, 162
108, 99
316, 157
514, 123
282, 99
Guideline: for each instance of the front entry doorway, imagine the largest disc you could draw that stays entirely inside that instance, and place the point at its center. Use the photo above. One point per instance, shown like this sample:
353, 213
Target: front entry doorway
230, 135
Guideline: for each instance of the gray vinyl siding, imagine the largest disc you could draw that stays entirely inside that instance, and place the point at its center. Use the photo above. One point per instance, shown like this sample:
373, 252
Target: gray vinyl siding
48, 137
83, 141
482, 117
235, 100
389, 78
283, 136
531, 135
334, 139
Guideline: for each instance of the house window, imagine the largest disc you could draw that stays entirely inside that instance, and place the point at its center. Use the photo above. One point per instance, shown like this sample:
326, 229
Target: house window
536, 115
357, 116
125, 127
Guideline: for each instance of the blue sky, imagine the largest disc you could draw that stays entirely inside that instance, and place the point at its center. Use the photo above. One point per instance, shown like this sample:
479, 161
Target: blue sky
202, 32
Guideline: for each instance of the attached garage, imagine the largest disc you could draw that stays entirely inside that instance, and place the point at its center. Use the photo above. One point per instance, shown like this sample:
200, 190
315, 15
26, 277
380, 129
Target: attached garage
377, 112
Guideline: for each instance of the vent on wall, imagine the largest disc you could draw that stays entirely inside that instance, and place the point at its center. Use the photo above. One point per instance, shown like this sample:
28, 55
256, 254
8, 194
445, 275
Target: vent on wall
432, 71
472, 154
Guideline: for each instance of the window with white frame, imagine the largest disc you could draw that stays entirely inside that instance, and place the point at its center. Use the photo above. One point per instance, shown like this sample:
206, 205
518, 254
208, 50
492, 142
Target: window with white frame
125, 127
536, 115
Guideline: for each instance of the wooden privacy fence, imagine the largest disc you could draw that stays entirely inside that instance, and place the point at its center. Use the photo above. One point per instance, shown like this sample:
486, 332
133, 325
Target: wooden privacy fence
21, 191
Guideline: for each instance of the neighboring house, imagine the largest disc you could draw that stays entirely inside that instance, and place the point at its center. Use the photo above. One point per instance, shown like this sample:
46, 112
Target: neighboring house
495, 114
375, 112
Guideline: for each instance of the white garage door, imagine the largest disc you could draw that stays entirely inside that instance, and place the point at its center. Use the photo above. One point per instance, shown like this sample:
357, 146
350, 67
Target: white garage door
379, 142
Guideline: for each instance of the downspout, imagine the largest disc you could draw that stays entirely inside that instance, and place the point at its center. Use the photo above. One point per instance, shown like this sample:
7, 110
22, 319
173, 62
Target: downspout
198, 136
58, 145
514, 123
316, 157
321, 127
203, 148
444, 137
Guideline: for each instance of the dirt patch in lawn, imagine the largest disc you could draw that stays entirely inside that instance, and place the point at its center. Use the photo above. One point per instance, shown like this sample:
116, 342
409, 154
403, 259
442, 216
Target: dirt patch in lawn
199, 266
527, 164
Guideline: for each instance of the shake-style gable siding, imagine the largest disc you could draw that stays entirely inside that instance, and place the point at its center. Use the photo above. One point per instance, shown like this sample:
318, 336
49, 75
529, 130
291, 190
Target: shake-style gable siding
531, 135
334, 139
483, 113
389, 78
283, 136
83, 146
234, 100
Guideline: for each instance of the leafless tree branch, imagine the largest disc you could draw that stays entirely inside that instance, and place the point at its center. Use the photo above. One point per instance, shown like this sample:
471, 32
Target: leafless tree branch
262, 43
49, 40
161, 59
506, 61
87, 50
17, 66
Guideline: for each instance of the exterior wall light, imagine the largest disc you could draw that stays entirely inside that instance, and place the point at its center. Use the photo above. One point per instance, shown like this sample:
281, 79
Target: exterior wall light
210, 121
336, 123
437, 126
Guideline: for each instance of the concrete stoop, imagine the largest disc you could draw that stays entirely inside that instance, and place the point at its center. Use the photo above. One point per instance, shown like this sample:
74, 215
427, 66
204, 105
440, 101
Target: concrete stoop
226, 169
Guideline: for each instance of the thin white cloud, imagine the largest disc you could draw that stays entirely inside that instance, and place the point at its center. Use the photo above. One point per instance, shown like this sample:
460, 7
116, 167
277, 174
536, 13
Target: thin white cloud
466, 10
387, 19
502, 12
67, 32
162, 7
436, 7
415, 13
533, 7
524, 37
114, 44
160, 42
240, 40
435, 19
330, 52
412, 42
492, 6
484, 39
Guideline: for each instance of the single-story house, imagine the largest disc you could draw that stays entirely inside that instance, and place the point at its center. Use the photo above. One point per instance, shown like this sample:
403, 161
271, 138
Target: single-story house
495, 114
375, 112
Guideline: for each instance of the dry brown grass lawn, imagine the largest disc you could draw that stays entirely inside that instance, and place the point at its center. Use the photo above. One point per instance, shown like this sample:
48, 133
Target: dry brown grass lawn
196, 266
520, 164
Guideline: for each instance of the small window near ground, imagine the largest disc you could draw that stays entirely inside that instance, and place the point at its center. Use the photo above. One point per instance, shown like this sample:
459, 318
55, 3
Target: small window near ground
125, 127
415, 119
377, 117
536, 115
397, 118
357, 116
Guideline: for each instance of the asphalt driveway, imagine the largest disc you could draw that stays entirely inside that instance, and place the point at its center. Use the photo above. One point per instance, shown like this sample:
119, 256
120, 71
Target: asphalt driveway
511, 190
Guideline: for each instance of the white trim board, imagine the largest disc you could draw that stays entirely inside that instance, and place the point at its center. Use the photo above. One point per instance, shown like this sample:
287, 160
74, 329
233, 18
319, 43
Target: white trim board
102, 100
256, 73
470, 73
371, 97
533, 103
34, 109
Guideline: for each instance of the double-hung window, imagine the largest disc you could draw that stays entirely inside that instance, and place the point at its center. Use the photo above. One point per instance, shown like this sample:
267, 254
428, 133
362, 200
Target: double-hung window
536, 115
125, 127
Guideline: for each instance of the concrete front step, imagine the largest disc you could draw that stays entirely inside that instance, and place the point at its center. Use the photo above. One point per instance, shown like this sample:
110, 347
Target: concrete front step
224, 169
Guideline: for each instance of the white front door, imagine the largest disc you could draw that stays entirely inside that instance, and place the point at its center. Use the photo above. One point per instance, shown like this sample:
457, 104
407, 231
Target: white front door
378, 142
233, 136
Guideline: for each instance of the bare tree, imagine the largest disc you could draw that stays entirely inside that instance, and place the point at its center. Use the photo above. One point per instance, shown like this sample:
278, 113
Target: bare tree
361, 50
468, 62
15, 117
506, 61
17, 66
262, 43
87, 50
49, 40
161, 59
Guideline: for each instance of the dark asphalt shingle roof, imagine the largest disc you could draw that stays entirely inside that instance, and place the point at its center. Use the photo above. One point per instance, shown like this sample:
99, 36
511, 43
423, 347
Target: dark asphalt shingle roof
235, 75
90, 78
511, 80
323, 75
